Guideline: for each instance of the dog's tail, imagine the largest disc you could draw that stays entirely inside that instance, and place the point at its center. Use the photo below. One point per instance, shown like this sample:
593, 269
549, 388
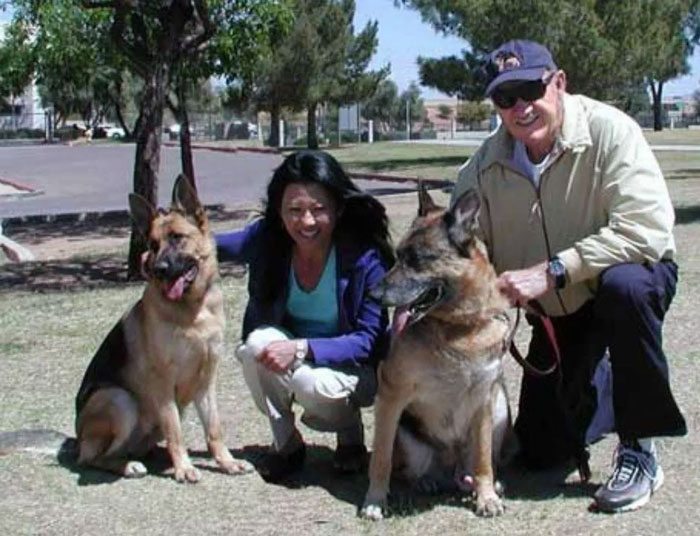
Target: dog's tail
38, 441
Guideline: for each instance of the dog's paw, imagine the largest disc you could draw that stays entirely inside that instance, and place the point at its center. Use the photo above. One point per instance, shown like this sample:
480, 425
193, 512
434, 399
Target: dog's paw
489, 506
134, 469
372, 511
234, 467
188, 473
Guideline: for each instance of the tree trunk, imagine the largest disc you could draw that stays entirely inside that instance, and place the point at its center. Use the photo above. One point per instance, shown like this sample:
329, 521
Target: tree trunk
273, 140
120, 119
147, 160
311, 138
186, 145
656, 105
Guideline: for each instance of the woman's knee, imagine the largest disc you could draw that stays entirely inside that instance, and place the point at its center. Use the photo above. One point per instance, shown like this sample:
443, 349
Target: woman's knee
256, 342
319, 386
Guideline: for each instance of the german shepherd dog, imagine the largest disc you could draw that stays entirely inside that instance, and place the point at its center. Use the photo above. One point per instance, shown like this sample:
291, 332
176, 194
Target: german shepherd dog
163, 353
441, 413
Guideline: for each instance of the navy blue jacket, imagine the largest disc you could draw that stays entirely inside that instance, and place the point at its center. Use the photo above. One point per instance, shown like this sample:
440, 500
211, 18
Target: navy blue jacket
362, 322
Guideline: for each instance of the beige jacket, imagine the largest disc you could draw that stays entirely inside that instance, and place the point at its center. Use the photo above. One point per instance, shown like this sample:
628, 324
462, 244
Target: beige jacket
602, 200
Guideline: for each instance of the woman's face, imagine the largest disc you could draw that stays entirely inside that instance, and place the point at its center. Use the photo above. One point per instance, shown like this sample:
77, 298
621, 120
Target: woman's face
309, 214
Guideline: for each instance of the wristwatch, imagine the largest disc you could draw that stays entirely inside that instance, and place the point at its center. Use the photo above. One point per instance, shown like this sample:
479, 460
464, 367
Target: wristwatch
302, 348
557, 271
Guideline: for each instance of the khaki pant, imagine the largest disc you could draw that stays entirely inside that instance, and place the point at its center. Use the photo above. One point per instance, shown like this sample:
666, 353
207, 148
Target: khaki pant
331, 396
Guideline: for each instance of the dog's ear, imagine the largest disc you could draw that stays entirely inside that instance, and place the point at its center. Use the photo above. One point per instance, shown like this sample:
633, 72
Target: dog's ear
142, 213
426, 205
462, 220
185, 198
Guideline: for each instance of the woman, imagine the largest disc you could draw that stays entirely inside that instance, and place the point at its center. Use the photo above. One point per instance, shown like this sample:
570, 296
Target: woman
312, 333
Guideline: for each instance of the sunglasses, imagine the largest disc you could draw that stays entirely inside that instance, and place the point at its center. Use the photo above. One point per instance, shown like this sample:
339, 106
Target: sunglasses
506, 98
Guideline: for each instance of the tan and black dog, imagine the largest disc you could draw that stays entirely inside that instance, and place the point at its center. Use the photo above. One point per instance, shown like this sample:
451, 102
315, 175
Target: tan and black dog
441, 412
163, 354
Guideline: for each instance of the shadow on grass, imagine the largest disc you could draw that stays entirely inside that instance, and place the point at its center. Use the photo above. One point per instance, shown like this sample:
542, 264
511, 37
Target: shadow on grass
408, 163
93, 226
541, 485
688, 214
157, 463
683, 174
78, 274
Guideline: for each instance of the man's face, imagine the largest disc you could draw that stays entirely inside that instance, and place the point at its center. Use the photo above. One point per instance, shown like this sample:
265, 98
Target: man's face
535, 123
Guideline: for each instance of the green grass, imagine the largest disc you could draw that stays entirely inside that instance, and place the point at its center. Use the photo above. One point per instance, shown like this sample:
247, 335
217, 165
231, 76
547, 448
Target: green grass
414, 160
680, 136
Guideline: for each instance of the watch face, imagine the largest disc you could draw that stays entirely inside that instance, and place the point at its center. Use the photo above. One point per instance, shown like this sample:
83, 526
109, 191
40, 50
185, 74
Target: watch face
301, 350
557, 270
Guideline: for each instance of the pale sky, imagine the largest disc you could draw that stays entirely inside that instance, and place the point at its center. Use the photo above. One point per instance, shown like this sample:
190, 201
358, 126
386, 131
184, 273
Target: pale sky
403, 37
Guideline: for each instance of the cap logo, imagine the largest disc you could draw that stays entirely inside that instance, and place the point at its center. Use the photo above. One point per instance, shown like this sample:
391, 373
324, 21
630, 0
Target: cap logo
507, 61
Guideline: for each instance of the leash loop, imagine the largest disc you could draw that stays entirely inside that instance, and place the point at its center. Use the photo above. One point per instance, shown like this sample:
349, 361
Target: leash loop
536, 309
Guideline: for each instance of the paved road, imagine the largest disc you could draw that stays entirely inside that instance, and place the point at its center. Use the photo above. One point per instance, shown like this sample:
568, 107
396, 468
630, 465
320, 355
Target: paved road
98, 178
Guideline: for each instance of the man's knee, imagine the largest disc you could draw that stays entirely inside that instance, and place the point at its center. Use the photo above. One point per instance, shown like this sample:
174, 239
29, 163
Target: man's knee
623, 289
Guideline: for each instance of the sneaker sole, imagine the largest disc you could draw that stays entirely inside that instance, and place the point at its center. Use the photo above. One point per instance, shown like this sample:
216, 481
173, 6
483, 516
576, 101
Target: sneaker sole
635, 505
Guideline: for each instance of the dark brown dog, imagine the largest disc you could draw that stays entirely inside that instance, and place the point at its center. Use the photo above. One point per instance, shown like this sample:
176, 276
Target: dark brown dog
163, 354
442, 413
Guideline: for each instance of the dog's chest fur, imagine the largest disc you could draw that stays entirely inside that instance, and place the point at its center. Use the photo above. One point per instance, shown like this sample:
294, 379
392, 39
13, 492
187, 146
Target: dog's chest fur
183, 349
452, 379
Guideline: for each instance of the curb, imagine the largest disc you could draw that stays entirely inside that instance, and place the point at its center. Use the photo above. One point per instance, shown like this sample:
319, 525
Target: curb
107, 217
266, 150
18, 186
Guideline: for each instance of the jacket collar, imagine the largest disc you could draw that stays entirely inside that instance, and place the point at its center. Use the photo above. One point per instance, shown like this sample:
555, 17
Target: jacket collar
574, 135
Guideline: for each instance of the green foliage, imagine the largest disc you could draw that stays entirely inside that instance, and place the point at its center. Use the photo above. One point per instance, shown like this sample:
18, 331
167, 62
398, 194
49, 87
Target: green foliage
410, 100
77, 69
382, 107
469, 112
16, 59
444, 111
317, 59
461, 77
388, 109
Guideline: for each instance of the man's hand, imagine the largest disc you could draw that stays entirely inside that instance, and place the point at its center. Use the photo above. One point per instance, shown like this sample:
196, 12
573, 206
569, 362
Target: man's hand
278, 356
521, 286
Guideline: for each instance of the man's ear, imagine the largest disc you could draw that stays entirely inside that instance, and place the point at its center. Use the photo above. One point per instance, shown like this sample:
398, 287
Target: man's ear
560, 80
142, 213
426, 205
462, 220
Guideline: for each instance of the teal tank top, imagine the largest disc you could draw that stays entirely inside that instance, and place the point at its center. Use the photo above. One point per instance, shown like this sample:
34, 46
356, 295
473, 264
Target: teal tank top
315, 313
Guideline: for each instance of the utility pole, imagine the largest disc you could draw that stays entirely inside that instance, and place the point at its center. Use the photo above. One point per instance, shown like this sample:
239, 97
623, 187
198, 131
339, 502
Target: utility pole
408, 119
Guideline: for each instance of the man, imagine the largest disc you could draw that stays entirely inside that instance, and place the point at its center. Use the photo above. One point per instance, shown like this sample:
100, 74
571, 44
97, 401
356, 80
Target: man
576, 215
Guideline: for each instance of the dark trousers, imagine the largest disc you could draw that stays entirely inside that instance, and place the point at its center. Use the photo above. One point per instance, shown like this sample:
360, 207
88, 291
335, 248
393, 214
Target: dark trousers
626, 317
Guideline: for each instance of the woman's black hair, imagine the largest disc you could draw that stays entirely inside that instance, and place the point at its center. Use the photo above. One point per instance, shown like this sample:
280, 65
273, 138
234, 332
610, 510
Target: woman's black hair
362, 219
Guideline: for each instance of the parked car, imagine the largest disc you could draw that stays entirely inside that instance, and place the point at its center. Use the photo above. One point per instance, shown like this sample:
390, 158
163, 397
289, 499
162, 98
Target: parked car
109, 131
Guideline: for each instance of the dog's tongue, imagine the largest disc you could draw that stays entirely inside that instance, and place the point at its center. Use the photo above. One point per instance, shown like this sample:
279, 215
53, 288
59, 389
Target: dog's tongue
401, 317
176, 289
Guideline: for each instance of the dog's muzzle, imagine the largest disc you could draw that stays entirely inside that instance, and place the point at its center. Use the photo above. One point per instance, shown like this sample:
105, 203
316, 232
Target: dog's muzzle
176, 273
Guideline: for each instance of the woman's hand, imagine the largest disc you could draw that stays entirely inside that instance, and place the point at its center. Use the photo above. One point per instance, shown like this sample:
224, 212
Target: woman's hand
278, 356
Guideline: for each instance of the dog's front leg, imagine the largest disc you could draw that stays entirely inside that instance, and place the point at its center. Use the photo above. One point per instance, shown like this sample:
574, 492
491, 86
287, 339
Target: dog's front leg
387, 411
169, 417
488, 503
208, 412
